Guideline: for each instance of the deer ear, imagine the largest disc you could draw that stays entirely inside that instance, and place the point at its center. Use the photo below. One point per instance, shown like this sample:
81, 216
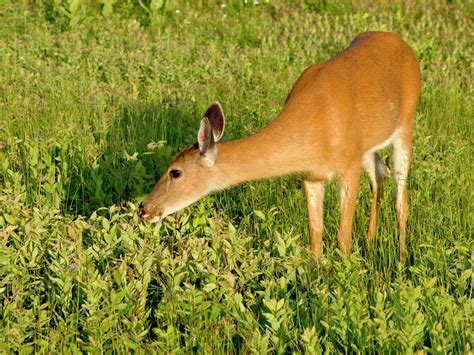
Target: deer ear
216, 118
207, 146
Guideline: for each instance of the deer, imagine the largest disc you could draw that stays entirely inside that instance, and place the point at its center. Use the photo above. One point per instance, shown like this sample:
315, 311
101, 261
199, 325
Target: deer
337, 117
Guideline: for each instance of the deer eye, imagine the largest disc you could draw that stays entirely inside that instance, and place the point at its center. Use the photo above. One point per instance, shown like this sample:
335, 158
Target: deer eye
174, 174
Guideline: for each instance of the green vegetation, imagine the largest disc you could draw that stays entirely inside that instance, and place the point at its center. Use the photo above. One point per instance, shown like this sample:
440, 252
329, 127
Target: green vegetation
98, 95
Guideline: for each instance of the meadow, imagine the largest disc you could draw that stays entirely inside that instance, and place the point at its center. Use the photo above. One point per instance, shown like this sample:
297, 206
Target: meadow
96, 98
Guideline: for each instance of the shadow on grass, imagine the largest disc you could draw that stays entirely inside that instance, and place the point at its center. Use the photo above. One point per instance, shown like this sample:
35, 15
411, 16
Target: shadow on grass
136, 150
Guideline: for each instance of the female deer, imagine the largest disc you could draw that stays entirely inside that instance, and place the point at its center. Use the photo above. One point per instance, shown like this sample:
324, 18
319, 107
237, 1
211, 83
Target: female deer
336, 118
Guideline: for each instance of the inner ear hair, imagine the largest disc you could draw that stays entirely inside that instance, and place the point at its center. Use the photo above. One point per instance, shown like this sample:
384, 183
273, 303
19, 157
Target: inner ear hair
205, 136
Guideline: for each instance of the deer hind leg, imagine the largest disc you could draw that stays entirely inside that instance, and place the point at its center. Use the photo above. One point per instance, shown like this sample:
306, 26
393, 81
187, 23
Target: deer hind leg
377, 171
402, 150
314, 191
349, 186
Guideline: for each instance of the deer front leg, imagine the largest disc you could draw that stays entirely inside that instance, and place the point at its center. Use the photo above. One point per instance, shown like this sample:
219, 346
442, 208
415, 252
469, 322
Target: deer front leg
349, 186
314, 191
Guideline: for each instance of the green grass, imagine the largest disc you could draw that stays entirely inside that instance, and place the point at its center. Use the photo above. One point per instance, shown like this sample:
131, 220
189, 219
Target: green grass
86, 91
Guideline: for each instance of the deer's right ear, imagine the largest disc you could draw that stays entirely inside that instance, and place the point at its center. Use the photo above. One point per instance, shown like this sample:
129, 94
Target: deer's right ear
215, 115
207, 146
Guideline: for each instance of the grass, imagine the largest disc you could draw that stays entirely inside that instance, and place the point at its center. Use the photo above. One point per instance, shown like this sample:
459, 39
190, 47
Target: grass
97, 98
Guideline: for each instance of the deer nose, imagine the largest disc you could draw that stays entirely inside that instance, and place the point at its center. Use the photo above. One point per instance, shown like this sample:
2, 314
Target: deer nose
141, 211
143, 214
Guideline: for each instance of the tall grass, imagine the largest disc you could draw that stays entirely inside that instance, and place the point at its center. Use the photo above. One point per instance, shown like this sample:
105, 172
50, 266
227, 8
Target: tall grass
97, 96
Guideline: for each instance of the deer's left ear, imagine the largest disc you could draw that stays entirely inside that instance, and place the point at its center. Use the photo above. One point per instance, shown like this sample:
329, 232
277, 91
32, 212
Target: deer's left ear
207, 145
216, 118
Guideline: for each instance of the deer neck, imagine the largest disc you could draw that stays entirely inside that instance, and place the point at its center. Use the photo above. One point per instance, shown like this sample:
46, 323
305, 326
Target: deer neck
264, 155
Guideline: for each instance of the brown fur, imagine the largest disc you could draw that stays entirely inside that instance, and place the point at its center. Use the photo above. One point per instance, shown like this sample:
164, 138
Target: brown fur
185, 152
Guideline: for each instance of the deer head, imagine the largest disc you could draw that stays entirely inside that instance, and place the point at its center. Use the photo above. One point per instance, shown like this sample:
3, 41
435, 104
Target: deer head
191, 173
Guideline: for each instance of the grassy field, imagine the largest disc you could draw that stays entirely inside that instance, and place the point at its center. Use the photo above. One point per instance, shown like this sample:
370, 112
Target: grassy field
97, 96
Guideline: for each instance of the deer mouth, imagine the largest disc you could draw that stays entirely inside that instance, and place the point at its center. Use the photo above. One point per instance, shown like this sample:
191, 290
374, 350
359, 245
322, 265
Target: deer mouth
151, 217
